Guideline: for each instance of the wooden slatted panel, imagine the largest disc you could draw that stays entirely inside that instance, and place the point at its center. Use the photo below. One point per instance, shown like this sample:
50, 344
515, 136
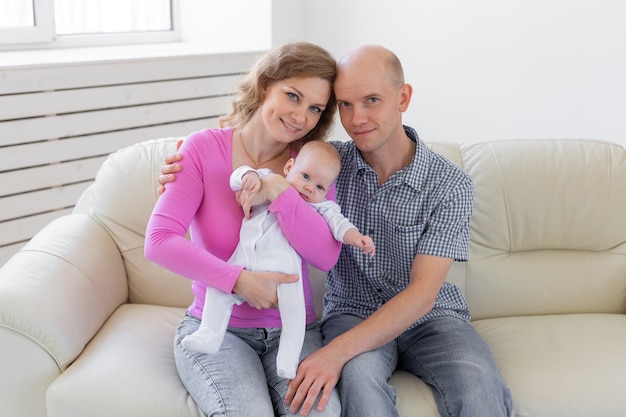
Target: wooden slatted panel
36, 78
47, 176
70, 101
41, 153
59, 122
30, 130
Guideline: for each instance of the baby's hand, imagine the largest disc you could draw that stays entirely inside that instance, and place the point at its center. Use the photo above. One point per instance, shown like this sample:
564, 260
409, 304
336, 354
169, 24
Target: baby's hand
251, 182
367, 245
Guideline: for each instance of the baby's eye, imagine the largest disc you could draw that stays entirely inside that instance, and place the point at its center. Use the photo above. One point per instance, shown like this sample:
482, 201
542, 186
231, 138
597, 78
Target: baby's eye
306, 176
320, 187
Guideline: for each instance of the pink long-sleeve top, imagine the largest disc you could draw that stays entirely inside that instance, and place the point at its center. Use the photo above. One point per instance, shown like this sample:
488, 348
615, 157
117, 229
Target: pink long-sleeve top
201, 199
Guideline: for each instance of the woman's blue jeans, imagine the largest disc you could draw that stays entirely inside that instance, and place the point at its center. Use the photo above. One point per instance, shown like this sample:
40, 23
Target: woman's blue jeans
445, 352
240, 380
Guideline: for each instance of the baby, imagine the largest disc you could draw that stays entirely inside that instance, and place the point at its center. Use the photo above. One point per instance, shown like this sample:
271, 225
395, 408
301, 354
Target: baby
263, 247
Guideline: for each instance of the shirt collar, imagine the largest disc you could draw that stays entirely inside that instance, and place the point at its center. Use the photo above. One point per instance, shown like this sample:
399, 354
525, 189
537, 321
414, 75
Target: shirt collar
414, 173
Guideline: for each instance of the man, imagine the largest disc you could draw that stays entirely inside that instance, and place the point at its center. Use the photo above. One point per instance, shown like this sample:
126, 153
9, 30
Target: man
396, 311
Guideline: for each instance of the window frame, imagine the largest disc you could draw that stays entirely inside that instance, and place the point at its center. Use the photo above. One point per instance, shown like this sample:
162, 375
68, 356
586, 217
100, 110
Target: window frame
42, 35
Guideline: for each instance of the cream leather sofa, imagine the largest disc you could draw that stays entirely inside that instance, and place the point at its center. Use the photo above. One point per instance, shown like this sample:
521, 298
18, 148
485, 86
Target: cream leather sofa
87, 323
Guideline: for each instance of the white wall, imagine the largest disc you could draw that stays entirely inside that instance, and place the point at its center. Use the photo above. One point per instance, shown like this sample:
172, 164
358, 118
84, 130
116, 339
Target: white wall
227, 26
489, 69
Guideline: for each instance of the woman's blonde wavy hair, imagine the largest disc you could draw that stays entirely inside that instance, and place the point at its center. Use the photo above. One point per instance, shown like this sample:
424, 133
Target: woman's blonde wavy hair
291, 60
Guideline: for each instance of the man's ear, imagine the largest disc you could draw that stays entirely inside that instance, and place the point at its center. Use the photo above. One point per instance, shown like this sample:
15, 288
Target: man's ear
288, 166
406, 92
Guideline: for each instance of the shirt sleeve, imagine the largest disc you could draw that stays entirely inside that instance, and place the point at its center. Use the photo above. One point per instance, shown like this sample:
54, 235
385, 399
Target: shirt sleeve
166, 243
306, 230
447, 234
338, 223
236, 178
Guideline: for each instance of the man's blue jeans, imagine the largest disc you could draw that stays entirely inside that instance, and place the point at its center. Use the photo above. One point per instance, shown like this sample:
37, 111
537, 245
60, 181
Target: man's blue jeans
240, 380
445, 352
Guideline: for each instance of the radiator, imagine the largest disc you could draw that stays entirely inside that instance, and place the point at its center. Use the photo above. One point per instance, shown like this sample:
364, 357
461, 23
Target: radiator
58, 123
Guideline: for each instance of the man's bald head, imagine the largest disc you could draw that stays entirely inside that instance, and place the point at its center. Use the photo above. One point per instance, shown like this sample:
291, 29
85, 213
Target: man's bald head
375, 59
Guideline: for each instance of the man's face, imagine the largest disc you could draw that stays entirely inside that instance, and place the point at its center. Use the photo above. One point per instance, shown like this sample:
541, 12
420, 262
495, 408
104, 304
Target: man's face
369, 105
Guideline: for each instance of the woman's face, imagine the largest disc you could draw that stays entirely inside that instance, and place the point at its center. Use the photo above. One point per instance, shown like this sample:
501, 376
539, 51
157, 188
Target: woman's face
292, 107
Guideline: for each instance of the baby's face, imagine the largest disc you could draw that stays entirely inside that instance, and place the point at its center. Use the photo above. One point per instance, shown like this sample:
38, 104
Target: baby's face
312, 180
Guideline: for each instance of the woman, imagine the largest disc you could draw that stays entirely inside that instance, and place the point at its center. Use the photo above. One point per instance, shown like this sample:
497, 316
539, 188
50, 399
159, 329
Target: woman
285, 101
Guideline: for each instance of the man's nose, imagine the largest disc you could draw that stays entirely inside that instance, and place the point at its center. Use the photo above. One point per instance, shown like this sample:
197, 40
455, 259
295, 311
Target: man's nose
359, 115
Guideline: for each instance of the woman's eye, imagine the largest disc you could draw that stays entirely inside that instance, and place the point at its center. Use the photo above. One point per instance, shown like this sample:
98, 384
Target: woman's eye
292, 96
316, 109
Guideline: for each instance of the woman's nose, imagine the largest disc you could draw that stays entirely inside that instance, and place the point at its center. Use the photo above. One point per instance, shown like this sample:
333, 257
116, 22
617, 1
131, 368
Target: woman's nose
298, 115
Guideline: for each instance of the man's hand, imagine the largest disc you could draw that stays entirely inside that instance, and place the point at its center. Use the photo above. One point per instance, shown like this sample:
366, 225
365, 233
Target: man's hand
170, 168
318, 372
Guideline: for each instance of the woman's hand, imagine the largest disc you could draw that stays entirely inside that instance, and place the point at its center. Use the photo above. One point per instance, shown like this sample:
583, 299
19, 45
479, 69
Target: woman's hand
259, 288
272, 186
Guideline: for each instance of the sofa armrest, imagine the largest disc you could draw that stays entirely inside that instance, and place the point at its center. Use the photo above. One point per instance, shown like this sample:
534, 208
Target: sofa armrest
55, 294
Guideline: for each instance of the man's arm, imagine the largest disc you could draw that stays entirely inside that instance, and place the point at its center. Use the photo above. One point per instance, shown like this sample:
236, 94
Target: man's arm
169, 170
321, 370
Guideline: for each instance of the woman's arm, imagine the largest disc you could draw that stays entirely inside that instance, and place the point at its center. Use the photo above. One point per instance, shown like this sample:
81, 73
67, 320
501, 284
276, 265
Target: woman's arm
166, 243
306, 230
207, 197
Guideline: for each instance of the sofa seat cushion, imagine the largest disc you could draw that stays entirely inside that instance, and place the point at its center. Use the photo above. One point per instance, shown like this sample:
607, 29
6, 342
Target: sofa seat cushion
135, 349
561, 365
556, 365
414, 397
128, 369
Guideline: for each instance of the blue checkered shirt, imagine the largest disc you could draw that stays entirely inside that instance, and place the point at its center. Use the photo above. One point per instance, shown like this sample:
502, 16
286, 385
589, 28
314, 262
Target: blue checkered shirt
424, 208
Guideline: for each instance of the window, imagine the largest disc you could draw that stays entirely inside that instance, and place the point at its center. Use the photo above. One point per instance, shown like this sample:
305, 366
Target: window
59, 23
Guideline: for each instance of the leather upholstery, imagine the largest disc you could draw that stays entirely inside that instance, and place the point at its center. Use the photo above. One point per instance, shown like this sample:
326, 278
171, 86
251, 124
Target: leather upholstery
87, 323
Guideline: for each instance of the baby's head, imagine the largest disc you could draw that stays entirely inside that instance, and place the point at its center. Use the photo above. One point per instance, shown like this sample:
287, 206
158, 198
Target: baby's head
314, 170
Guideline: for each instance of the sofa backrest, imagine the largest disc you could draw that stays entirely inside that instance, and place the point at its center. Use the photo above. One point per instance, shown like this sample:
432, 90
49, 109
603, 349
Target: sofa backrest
548, 231
121, 200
